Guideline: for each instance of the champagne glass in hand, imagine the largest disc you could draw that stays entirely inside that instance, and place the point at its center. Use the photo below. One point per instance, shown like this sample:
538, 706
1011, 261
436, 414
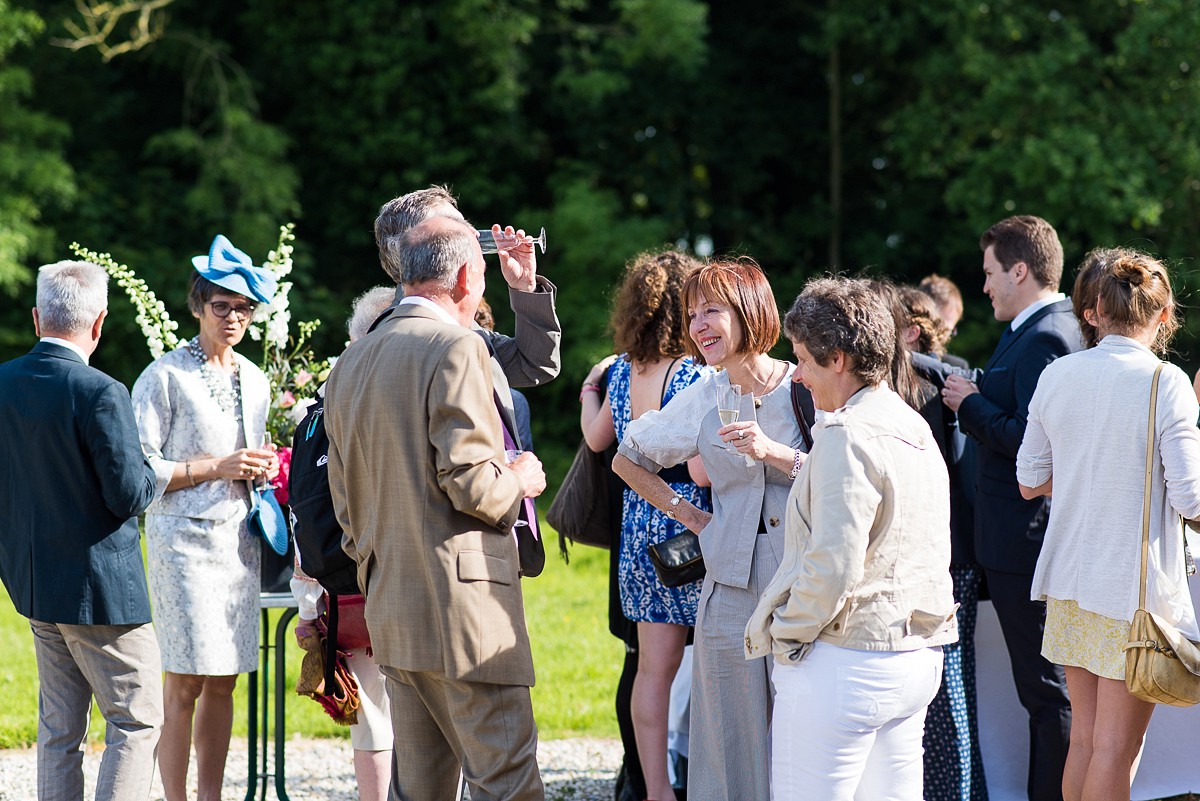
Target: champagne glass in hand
490, 243
729, 409
511, 455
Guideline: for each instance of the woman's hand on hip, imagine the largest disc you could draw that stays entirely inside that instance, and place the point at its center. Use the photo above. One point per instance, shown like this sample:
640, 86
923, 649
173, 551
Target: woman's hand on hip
696, 520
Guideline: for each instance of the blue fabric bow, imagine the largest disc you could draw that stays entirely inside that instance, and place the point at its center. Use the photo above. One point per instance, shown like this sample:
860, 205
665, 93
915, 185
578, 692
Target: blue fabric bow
231, 269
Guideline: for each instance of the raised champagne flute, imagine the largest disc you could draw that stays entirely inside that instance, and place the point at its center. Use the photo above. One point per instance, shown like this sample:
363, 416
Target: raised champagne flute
490, 243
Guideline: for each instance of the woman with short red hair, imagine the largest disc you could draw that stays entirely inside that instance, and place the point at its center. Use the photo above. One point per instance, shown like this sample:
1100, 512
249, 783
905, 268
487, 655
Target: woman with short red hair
732, 324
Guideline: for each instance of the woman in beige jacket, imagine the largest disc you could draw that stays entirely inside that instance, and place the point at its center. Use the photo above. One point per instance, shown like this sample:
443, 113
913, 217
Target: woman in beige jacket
862, 602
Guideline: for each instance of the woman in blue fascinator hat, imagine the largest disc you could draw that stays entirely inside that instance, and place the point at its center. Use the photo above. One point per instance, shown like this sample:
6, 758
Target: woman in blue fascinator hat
202, 414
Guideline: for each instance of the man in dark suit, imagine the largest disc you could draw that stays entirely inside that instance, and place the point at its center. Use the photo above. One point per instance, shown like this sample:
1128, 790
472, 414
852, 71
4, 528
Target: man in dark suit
1022, 265
72, 482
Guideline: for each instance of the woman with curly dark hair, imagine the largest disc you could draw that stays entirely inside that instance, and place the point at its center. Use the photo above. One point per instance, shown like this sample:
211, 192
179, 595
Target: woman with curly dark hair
647, 324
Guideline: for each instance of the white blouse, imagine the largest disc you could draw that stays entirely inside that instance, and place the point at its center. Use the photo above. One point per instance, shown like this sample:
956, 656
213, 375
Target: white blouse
1087, 430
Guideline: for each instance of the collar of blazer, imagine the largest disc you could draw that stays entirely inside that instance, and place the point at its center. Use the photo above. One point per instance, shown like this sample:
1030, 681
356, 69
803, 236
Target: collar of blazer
58, 351
1006, 342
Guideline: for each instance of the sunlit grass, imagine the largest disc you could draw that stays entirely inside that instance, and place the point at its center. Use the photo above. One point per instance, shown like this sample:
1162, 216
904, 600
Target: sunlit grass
576, 661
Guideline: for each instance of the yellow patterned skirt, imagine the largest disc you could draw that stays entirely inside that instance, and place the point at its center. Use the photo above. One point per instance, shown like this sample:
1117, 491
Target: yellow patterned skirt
1084, 639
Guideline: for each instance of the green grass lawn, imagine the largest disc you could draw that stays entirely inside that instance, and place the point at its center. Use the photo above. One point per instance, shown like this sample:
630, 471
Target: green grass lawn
576, 660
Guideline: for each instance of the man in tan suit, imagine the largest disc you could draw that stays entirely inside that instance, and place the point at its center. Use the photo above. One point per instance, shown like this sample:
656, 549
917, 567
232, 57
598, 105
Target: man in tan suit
529, 358
427, 504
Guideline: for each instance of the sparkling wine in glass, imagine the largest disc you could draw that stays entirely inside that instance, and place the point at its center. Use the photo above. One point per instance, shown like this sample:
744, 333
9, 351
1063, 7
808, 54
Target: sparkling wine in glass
490, 243
511, 455
729, 409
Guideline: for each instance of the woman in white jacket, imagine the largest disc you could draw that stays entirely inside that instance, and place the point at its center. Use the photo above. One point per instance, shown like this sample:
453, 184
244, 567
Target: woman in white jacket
862, 602
1086, 440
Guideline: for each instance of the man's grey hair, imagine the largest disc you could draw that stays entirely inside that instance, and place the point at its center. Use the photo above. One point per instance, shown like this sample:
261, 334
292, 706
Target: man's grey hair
433, 254
366, 309
70, 296
400, 214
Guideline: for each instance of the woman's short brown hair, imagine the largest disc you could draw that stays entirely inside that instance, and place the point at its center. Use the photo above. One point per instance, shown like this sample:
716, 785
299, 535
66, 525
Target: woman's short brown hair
844, 314
201, 291
741, 285
647, 320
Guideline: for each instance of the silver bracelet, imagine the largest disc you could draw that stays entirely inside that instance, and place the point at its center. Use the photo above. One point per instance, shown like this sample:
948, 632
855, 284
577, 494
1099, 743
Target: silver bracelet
796, 463
674, 506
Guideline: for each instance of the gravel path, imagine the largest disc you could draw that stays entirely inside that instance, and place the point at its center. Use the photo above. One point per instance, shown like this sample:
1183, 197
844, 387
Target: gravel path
573, 770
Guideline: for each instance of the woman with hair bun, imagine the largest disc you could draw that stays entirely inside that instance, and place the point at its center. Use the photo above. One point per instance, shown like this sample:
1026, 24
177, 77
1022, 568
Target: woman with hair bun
1086, 441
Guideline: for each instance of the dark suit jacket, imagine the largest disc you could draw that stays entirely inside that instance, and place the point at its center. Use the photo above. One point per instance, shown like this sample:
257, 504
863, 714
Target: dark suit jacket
1009, 529
960, 462
72, 482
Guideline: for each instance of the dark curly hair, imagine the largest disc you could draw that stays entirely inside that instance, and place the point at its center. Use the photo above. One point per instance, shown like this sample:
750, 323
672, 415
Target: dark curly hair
647, 321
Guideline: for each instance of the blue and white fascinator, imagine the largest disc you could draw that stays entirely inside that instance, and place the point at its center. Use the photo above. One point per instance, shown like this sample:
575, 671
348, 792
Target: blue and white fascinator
231, 269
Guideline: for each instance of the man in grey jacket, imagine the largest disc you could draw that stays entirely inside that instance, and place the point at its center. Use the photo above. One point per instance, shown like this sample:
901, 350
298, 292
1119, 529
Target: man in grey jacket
529, 358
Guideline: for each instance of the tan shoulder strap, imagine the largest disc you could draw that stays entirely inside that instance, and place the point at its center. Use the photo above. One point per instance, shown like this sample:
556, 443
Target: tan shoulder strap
1149, 470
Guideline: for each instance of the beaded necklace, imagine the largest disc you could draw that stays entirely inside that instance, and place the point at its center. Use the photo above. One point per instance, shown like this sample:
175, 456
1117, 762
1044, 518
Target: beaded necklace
227, 394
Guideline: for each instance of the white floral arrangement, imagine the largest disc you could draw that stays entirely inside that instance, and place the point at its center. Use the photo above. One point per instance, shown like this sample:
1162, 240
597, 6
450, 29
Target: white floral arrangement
152, 317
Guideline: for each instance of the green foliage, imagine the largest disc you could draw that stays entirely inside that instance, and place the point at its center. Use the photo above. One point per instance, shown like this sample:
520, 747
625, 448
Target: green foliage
33, 173
619, 125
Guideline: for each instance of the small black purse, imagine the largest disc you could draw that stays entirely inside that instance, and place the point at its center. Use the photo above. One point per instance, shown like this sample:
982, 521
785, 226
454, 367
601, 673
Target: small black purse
678, 560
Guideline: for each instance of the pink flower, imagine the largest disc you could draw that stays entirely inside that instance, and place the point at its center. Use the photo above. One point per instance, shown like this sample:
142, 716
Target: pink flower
287, 400
285, 470
303, 377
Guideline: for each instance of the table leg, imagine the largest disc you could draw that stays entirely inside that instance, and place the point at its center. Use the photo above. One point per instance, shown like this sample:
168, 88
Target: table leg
280, 695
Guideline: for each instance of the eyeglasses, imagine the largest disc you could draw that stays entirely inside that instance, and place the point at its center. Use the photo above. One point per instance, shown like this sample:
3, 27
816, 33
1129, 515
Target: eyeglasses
222, 309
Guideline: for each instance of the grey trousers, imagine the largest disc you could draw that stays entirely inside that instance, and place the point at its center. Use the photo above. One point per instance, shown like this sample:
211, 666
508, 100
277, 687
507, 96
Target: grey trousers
729, 735
121, 667
440, 724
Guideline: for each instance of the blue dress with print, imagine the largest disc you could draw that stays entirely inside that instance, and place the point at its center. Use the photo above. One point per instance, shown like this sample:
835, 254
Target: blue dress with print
643, 597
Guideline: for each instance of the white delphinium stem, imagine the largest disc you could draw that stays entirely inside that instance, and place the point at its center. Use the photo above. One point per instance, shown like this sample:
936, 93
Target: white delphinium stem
152, 317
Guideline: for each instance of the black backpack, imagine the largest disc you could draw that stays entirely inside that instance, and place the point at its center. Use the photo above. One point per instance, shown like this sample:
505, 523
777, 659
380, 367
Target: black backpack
314, 525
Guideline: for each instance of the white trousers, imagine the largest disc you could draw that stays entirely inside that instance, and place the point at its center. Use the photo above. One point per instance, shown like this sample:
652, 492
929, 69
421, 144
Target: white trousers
847, 724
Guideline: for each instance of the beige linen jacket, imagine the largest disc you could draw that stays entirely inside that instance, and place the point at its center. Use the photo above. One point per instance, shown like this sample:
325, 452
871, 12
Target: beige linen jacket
866, 539
416, 468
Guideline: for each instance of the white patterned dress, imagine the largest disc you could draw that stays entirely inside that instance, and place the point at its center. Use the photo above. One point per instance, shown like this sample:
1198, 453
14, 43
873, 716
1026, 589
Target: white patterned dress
203, 563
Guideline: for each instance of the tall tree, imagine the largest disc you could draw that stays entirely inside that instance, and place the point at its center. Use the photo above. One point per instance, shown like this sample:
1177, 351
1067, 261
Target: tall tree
32, 169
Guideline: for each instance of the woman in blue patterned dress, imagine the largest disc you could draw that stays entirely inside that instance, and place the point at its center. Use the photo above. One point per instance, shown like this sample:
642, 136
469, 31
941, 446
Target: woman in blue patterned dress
648, 329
